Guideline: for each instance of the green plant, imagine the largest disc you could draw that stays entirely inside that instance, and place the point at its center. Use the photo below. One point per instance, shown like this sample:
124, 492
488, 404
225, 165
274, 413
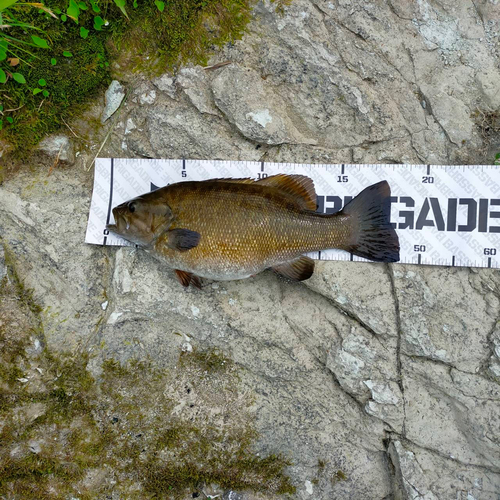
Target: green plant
55, 56
16, 47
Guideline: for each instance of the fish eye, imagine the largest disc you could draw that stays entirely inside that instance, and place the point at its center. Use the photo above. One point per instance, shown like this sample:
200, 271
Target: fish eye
131, 207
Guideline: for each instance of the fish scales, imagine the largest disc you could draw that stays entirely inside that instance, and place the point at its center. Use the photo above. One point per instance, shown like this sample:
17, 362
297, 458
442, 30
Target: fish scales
243, 235
233, 228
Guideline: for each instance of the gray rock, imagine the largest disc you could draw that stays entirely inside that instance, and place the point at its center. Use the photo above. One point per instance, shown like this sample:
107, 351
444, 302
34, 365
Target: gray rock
185, 133
3, 267
113, 98
34, 447
494, 363
196, 85
144, 94
442, 321
165, 83
253, 108
58, 146
420, 474
461, 412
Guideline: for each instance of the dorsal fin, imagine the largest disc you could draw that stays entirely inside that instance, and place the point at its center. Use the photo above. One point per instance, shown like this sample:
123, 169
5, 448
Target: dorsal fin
300, 187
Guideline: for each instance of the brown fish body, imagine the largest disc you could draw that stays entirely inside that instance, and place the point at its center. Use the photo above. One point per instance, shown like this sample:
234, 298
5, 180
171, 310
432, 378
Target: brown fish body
227, 229
244, 228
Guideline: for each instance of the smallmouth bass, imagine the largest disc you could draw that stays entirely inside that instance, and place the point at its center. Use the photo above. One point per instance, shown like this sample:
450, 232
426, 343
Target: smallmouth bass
227, 229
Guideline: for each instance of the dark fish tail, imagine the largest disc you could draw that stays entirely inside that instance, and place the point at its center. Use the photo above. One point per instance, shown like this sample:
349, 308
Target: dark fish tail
372, 235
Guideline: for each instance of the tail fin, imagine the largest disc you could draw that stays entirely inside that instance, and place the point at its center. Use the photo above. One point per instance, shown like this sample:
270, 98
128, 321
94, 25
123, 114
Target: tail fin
373, 236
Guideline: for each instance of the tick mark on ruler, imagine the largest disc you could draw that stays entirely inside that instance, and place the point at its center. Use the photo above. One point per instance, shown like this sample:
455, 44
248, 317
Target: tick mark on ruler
489, 261
110, 197
342, 169
420, 258
453, 261
428, 170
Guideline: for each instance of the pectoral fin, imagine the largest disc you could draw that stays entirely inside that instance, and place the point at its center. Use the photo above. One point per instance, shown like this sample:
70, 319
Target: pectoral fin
186, 279
183, 239
298, 270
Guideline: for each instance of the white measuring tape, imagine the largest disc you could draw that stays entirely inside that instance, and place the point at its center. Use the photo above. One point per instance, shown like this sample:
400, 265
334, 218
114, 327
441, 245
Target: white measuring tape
444, 215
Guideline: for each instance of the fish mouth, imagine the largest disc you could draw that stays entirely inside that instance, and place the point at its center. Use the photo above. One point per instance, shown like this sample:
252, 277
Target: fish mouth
121, 224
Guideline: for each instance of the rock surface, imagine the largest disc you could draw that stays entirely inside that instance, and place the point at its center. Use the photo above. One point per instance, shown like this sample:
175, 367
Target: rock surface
113, 98
386, 376
58, 146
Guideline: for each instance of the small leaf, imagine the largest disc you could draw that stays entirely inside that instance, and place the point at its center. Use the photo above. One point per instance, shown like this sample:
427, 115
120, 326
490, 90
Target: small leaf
98, 22
1, 107
36, 91
53, 61
3, 76
82, 5
45, 93
84, 33
18, 78
73, 10
42, 82
39, 42
64, 18
13, 61
95, 7
57, 11
121, 5
5, 4
1, 124
67, 53
135, 4
10, 119
160, 5
3, 55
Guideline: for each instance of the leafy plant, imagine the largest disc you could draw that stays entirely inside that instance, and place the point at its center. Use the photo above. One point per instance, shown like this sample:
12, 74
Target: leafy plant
13, 45
67, 44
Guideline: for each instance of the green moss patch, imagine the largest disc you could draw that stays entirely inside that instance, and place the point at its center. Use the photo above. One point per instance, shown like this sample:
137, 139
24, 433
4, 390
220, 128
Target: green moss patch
59, 77
136, 432
186, 30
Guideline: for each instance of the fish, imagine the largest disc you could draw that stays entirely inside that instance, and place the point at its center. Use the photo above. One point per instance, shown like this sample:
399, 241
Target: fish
230, 229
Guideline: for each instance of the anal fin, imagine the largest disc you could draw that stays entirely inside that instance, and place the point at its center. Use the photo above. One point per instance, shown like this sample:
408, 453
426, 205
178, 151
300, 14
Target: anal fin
186, 279
298, 270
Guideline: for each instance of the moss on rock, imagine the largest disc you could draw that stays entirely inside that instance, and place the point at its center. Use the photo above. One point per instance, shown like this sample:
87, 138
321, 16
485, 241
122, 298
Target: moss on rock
137, 432
148, 40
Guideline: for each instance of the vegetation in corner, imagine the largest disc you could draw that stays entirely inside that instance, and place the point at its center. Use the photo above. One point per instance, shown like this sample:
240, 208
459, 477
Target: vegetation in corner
488, 124
55, 55
137, 432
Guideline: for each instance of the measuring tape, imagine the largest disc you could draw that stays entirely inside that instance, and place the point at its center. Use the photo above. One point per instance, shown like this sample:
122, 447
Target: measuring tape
444, 215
